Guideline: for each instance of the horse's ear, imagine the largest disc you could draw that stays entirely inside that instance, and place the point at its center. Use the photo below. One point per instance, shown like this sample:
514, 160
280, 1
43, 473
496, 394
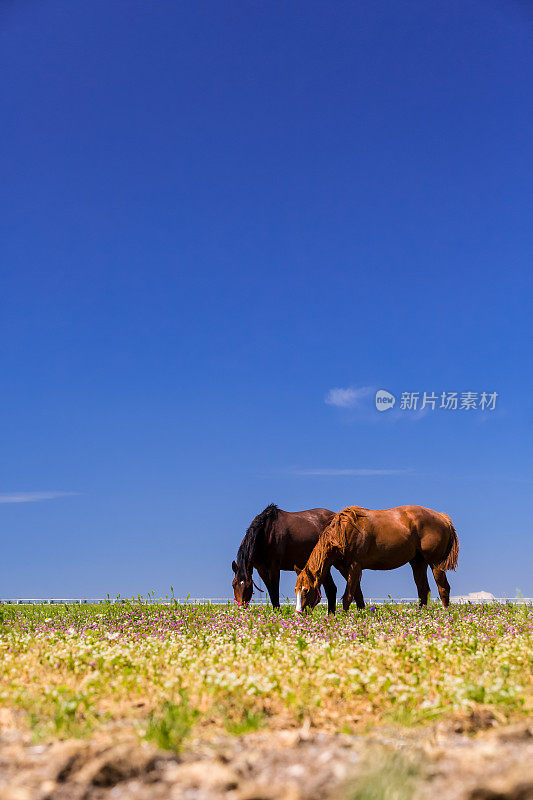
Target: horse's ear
234, 567
297, 569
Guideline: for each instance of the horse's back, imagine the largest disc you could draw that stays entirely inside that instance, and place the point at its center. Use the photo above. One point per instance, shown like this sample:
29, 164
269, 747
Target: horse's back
415, 517
314, 516
432, 529
393, 536
297, 532
388, 539
309, 520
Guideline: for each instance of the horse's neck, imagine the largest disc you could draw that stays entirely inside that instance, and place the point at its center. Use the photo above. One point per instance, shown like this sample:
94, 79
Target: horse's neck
246, 563
251, 551
321, 558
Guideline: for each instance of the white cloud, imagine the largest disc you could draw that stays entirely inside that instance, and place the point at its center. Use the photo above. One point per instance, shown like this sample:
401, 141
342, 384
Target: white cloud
32, 497
347, 398
360, 472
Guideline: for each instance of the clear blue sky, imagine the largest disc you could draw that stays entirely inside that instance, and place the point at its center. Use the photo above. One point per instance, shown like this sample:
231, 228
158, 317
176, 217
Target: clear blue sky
213, 214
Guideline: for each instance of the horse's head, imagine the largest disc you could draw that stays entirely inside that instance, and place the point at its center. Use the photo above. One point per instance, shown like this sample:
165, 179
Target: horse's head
307, 590
243, 587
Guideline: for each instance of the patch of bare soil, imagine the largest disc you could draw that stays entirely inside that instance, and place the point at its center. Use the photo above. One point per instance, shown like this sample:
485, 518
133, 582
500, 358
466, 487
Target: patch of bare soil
471, 759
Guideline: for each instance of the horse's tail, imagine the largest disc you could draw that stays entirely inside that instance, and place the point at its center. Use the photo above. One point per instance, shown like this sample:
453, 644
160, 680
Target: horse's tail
452, 553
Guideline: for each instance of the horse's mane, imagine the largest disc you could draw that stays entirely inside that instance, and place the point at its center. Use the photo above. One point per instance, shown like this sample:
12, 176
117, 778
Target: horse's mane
253, 539
334, 537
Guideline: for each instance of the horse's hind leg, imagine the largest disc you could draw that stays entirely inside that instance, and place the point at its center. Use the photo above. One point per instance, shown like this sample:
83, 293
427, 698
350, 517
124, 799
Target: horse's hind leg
420, 574
442, 584
358, 596
331, 592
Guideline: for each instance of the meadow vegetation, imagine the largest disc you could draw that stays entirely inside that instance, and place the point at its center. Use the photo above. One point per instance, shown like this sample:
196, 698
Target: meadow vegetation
169, 670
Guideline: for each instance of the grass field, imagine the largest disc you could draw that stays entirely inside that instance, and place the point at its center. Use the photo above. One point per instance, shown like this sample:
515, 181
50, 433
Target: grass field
168, 670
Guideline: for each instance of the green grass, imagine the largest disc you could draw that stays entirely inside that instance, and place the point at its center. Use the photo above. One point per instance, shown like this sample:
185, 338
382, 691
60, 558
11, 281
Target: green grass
244, 721
169, 726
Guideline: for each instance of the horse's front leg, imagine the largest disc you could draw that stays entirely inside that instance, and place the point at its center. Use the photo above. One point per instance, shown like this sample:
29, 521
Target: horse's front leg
353, 588
331, 592
271, 581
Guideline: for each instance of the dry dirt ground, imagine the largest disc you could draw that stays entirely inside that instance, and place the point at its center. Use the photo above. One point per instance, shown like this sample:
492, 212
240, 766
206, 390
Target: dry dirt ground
472, 759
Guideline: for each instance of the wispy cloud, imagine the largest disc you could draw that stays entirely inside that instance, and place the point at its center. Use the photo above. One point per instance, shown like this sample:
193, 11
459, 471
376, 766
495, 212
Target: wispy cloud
362, 472
367, 472
347, 398
33, 497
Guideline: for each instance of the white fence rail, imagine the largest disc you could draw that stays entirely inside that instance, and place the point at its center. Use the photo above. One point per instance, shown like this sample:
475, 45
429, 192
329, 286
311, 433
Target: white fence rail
225, 600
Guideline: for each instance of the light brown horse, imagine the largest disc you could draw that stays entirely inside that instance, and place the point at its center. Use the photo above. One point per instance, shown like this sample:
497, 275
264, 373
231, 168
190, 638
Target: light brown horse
358, 538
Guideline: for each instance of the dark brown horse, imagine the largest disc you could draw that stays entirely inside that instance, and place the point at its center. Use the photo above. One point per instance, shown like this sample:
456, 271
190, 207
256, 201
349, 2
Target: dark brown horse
277, 540
358, 539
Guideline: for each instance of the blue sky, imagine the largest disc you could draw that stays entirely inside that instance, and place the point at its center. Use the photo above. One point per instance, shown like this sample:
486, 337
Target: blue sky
212, 215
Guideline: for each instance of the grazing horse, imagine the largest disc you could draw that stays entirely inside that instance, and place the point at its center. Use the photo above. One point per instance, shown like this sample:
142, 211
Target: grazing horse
358, 539
277, 540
